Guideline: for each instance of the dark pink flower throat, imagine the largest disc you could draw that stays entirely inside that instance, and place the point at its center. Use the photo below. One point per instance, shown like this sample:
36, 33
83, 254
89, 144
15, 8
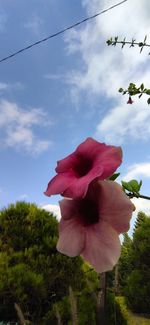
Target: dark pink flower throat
88, 212
83, 166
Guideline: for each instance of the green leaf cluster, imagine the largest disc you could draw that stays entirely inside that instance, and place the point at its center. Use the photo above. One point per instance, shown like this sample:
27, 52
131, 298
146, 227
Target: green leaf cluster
132, 186
133, 90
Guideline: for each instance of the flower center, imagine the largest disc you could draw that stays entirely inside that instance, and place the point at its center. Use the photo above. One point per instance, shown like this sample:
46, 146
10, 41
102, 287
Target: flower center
88, 212
83, 166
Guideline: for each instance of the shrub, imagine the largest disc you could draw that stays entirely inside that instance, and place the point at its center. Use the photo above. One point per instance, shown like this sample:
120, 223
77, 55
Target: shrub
116, 310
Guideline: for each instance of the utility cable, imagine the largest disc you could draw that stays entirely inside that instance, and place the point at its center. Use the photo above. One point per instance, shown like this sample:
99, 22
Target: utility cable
60, 32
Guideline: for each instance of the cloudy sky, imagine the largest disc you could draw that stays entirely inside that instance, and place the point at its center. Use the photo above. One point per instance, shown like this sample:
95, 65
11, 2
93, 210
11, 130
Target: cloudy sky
55, 95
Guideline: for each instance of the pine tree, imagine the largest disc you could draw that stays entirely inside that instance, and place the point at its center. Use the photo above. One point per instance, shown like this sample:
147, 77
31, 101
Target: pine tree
125, 265
138, 281
141, 217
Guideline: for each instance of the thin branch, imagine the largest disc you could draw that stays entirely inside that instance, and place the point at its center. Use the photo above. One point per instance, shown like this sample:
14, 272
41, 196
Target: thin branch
133, 90
132, 43
139, 196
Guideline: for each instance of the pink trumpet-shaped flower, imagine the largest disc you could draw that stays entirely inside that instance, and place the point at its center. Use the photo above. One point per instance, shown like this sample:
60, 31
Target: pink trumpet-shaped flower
90, 161
90, 226
130, 101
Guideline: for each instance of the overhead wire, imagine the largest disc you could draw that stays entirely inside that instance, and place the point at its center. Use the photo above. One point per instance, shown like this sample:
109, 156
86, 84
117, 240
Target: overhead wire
61, 31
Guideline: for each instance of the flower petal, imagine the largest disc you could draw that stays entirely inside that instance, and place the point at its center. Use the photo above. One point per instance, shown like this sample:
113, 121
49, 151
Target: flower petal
91, 160
68, 208
110, 159
106, 155
67, 163
59, 183
79, 186
114, 205
90, 148
71, 237
102, 248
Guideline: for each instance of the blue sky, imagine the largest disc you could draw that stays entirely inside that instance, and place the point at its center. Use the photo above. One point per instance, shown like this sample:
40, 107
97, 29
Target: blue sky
55, 95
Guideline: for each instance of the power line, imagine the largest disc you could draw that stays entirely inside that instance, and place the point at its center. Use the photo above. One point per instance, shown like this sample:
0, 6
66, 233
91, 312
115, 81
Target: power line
61, 31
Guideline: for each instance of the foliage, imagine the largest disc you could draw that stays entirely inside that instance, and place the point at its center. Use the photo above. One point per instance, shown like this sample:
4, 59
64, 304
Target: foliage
116, 310
141, 218
132, 187
138, 281
133, 90
141, 243
136, 319
121, 309
125, 264
32, 272
86, 308
138, 291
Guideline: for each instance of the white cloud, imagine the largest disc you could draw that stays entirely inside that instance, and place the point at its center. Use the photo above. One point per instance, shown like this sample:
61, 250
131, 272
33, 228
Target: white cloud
6, 87
54, 208
123, 121
17, 127
105, 69
138, 171
140, 205
34, 24
23, 197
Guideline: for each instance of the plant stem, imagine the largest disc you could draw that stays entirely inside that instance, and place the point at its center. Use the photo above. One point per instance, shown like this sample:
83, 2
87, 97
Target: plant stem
132, 195
131, 43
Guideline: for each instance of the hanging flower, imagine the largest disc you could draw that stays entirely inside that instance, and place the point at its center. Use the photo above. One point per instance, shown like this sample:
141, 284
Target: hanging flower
90, 226
130, 101
90, 161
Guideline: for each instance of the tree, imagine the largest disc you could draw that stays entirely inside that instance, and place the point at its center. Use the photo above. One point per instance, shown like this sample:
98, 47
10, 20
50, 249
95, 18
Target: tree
141, 218
125, 264
138, 281
32, 273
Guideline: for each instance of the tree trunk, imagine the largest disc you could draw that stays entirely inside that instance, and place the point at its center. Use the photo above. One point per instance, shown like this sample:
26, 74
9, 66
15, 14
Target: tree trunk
58, 316
101, 301
20, 315
73, 307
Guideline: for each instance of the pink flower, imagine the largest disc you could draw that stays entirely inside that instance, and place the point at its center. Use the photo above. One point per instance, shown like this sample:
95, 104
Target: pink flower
130, 101
90, 227
90, 161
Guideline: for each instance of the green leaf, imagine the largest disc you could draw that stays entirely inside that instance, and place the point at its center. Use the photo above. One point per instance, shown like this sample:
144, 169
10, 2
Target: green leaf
147, 91
140, 184
132, 85
142, 86
109, 41
126, 186
120, 90
134, 185
148, 101
114, 176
